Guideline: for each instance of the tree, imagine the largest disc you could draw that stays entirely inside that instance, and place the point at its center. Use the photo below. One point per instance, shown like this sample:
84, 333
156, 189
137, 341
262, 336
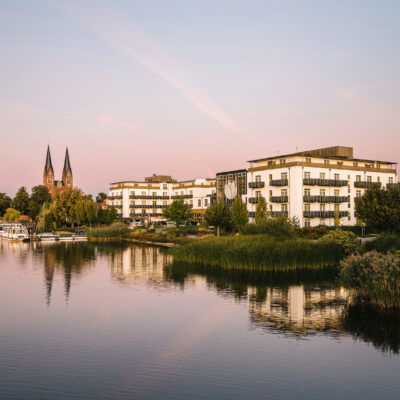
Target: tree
106, 216
218, 215
261, 211
380, 209
12, 215
5, 202
178, 212
64, 206
21, 201
85, 211
239, 214
40, 196
101, 197
46, 220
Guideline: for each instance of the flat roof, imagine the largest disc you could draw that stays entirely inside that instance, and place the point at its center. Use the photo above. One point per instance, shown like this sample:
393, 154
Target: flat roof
231, 172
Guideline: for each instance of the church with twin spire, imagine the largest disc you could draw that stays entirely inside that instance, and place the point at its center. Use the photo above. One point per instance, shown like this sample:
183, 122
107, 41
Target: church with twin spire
66, 181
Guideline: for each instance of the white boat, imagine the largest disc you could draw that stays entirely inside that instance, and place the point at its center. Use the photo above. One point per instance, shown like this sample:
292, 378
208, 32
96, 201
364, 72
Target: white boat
66, 237
48, 237
15, 232
80, 238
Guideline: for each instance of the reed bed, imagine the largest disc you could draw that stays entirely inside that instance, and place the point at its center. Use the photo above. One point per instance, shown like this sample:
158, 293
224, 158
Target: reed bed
114, 231
374, 277
259, 252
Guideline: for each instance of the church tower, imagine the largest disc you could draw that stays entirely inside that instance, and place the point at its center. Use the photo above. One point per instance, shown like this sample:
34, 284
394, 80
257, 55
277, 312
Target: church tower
67, 176
48, 173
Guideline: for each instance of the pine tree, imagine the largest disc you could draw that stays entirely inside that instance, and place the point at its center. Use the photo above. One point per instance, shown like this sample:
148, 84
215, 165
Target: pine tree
261, 211
239, 214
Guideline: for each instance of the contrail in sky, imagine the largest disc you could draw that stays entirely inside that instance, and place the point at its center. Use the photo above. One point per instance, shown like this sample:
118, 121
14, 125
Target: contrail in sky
120, 33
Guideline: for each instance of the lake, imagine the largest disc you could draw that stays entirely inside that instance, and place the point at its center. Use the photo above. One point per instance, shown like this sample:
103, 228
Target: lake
119, 321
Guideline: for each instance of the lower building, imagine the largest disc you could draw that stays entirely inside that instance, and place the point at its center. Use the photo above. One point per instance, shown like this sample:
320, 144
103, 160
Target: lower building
144, 201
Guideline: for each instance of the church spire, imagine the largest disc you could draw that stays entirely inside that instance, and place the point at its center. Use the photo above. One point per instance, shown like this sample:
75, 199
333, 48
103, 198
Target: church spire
48, 166
67, 164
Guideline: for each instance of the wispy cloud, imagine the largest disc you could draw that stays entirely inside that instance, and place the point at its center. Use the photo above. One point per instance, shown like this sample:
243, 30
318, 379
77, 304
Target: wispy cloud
113, 27
110, 120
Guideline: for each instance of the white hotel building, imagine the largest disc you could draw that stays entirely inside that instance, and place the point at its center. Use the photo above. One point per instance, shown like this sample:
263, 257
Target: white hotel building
146, 200
315, 186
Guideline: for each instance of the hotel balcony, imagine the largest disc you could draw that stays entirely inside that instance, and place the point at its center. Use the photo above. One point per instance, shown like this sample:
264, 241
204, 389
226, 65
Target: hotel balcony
148, 206
323, 214
146, 215
148, 197
182, 196
114, 197
279, 199
325, 199
279, 182
115, 205
253, 200
256, 185
393, 186
367, 184
279, 213
324, 182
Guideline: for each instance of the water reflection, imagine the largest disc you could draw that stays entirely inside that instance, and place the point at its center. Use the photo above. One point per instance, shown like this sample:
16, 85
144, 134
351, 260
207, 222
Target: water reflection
290, 303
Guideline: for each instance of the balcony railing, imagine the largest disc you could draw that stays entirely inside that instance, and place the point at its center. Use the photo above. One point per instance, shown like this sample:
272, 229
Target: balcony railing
279, 213
279, 199
325, 199
115, 206
324, 214
253, 200
256, 185
367, 184
182, 196
393, 186
279, 182
324, 182
114, 197
148, 206
148, 197
145, 214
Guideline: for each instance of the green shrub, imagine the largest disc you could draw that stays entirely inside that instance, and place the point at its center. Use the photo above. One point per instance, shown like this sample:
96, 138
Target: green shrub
313, 232
258, 252
375, 277
345, 239
383, 244
279, 227
116, 230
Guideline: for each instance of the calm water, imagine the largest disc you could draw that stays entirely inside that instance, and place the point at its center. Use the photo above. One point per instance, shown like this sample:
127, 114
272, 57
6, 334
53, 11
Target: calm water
84, 321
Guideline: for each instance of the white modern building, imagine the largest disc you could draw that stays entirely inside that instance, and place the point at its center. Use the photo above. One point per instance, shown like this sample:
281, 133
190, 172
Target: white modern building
146, 200
318, 186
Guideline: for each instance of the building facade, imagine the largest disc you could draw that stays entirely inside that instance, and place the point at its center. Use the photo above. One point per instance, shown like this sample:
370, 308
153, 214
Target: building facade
67, 179
144, 201
318, 187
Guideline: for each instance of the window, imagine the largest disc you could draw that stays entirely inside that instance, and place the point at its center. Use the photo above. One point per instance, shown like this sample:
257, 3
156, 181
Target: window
336, 177
322, 207
307, 223
205, 202
143, 193
132, 202
322, 175
336, 207
165, 194
258, 178
191, 192
284, 175
326, 162
270, 193
307, 192
322, 222
199, 203
154, 194
369, 178
358, 178
132, 192
322, 192
355, 164
306, 175
258, 194
165, 187
306, 207
378, 178
191, 202
284, 207
390, 179
358, 193
336, 193
154, 203
270, 177
340, 163
269, 162
284, 192
143, 203
283, 161
308, 160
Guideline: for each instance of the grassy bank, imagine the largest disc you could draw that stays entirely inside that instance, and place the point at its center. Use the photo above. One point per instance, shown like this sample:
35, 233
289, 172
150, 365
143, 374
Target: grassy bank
114, 231
257, 252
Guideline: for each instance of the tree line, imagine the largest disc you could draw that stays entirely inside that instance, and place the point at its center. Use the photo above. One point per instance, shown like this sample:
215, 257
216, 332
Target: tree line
67, 208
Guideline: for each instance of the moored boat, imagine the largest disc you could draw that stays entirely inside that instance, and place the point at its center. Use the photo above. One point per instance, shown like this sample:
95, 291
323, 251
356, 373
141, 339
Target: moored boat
48, 237
15, 232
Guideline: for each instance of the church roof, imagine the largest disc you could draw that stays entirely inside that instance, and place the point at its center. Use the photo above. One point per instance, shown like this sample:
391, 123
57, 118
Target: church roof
67, 164
48, 166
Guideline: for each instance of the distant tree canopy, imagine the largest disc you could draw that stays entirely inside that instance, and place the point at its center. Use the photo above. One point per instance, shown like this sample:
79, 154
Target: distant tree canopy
106, 216
178, 212
40, 196
12, 215
380, 209
21, 201
5, 202
101, 197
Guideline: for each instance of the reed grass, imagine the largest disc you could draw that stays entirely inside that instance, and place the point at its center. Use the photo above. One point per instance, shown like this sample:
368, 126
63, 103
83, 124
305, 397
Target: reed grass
114, 231
374, 278
259, 252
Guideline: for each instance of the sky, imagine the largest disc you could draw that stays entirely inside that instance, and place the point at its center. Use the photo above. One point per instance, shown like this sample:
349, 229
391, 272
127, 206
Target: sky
189, 88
